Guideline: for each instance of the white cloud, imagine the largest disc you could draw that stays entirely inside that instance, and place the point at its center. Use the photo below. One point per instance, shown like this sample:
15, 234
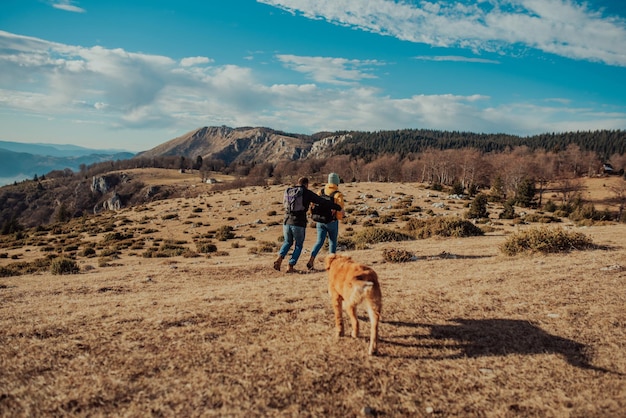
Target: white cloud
561, 27
329, 70
455, 58
124, 90
68, 6
191, 61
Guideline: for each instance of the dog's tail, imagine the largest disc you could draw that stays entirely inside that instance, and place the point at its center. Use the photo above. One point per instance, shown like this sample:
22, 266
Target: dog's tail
366, 286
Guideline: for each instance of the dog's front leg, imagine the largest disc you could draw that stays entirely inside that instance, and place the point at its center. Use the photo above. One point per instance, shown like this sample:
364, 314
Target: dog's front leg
337, 302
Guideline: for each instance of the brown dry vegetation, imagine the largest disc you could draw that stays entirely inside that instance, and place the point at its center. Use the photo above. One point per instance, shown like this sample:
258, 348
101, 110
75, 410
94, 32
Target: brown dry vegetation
466, 330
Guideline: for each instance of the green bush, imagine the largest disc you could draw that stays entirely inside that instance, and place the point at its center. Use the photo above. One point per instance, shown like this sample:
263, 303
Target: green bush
541, 218
374, 235
64, 266
205, 247
168, 248
116, 236
264, 247
442, 226
8, 271
588, 211
88, 252
545, 240
478, 208
224, 233
395, 255
550, 206
509, 210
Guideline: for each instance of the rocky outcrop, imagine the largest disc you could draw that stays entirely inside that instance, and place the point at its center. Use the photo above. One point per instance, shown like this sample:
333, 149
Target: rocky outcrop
230, 145
104, 184
113, 203
322, 147
100, 185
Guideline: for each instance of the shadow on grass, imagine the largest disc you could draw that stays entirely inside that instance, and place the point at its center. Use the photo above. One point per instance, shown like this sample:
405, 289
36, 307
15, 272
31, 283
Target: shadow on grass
471, 338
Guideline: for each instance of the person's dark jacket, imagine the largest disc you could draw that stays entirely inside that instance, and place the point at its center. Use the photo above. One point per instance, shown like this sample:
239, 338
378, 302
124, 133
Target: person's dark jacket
299, 218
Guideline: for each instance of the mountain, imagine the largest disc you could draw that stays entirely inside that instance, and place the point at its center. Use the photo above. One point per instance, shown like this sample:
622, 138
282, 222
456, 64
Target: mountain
243, 145
54, 150
19, 161
260, 145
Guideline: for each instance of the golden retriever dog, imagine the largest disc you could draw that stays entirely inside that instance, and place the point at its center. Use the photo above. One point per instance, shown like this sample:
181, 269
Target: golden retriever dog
353, 283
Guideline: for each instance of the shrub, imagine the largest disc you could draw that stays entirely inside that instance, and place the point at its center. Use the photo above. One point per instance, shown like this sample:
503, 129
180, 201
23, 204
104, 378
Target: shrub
457, 188
545, 240
436, 186
545, 219
509, 210
8, 271
588, 211
444, 227
385, 219
550, 206
478, 208
205, 247
88, 252
224, 233
116, 236
169, 248
64, 266
345, 243
394, 255
264, 247
525, 193
374, 235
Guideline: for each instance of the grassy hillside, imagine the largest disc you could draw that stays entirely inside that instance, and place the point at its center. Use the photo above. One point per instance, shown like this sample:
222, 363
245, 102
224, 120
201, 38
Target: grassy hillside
466, 330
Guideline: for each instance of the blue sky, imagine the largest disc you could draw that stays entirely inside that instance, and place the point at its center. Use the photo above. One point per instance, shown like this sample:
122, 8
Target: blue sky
133, 74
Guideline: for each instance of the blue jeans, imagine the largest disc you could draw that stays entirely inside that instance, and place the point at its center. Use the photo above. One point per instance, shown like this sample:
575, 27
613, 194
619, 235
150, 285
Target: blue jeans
291, 234
332, 230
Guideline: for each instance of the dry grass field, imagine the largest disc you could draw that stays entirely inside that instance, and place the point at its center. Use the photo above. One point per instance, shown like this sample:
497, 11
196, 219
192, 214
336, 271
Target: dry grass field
466, 331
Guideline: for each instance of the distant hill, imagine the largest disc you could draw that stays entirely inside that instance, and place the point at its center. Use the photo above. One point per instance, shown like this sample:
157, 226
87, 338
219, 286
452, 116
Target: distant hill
55, 150
245, 144
19, 161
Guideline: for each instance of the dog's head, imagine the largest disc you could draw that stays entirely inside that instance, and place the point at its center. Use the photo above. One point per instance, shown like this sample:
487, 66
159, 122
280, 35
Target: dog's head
329, 260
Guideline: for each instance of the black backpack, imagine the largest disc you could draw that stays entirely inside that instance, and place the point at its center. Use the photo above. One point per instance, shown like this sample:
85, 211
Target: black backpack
293, 200
323, 213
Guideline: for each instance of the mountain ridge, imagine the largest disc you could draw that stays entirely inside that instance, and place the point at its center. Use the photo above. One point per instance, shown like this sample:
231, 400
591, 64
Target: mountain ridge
19, 165
243, 144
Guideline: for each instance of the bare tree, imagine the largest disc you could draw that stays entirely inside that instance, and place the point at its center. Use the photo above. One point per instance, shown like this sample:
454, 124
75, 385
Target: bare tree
513, 167
385, 168
544, 169
411, 167
570, 189
340, 164
619, 192
470, 163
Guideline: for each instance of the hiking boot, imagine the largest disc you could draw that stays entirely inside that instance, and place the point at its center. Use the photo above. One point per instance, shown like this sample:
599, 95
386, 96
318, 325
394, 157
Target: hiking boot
278, 262
311, 262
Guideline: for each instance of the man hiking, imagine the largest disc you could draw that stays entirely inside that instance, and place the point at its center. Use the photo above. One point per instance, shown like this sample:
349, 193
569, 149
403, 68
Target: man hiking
297, 200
